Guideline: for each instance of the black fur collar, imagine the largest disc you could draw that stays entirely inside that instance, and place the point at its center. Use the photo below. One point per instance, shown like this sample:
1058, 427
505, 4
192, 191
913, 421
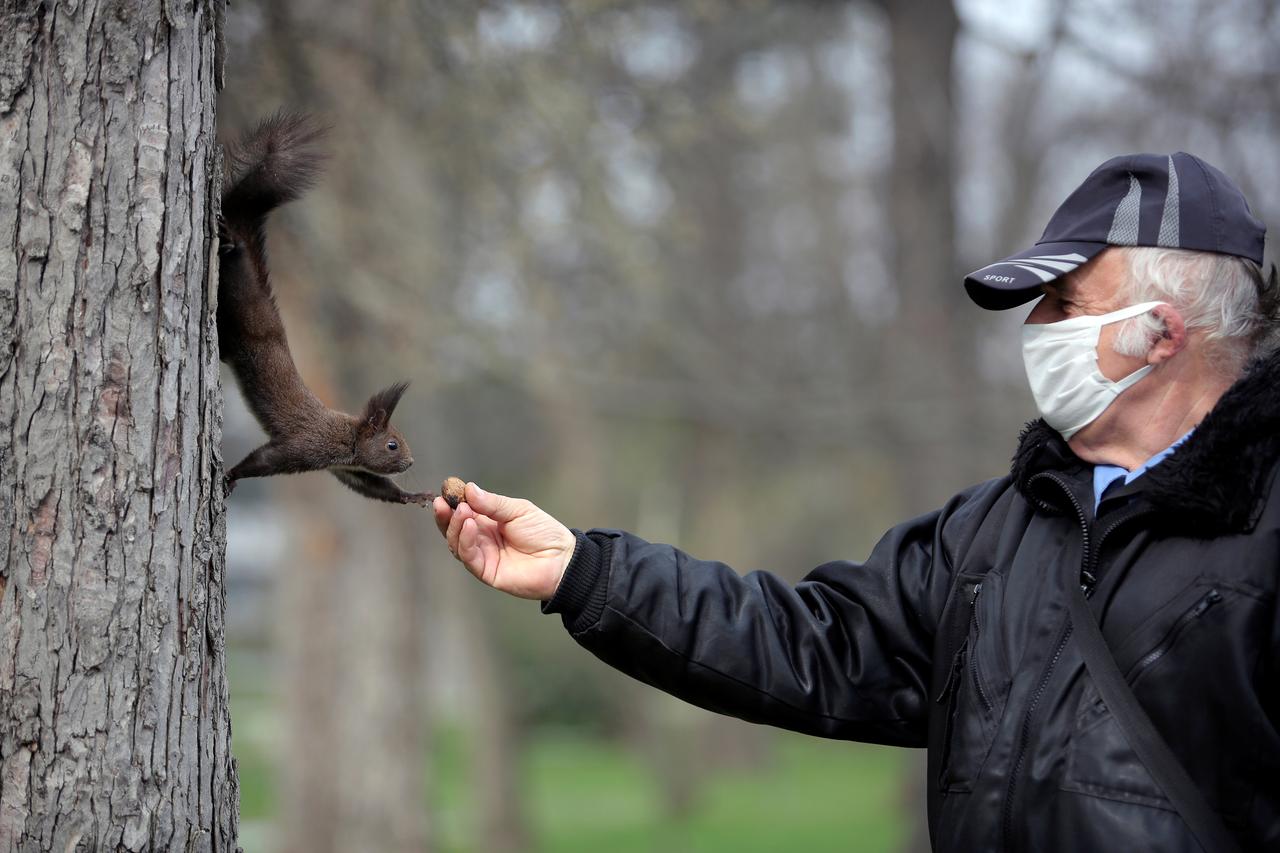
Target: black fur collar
1216, 482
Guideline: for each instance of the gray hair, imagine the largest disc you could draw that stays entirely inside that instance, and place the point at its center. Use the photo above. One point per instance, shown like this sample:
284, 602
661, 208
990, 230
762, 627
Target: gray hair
1220, 295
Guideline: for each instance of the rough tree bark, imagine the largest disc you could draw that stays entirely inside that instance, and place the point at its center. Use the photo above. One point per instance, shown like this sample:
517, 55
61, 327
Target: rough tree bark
114, 725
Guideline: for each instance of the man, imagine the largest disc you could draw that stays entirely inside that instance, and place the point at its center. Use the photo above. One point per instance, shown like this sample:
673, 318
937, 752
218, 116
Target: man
1147, 485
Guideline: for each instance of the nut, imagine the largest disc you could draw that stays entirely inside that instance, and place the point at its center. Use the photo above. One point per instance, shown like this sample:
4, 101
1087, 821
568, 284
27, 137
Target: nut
452, 490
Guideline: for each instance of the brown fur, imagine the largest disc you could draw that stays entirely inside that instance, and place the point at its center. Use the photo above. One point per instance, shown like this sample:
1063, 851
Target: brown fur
274, 164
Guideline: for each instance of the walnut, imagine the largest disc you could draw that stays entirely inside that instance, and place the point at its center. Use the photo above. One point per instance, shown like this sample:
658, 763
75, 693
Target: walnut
452, 490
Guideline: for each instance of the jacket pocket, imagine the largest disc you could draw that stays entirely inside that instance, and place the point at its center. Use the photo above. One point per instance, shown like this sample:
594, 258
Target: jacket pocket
974, 693
1169, 663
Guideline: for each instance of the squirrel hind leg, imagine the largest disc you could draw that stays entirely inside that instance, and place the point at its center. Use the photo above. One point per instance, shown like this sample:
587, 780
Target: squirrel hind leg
226, 240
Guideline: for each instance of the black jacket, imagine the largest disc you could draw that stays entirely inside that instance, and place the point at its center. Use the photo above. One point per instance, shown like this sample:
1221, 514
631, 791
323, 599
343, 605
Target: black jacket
1183, 564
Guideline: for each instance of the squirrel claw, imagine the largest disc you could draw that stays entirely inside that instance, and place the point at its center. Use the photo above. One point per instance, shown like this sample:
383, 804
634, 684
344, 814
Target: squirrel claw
226, 245
228, 486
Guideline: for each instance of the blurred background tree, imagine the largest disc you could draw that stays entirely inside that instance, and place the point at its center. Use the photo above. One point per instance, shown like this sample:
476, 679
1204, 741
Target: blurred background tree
686, 268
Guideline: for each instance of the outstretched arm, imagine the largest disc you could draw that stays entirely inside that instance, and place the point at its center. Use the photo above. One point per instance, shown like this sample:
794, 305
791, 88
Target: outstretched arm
845, 653
379, 488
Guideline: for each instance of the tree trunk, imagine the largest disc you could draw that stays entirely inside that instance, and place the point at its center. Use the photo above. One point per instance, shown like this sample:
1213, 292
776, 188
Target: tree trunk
309, 637
351, 610
355, 765
114, 726
495, 739
934, 353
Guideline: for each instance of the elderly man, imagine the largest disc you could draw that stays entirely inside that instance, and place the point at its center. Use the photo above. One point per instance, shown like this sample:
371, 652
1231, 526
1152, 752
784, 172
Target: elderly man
1088, 645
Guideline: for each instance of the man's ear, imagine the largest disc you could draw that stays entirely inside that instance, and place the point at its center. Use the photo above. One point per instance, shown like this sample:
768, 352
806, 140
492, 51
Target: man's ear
377, 412
1172, 340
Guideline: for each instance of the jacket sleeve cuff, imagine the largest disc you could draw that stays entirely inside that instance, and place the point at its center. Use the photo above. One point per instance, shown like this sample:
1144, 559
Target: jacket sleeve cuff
580, 597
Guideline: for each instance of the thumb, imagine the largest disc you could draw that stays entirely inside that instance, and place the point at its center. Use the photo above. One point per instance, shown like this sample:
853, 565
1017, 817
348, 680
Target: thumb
497, 507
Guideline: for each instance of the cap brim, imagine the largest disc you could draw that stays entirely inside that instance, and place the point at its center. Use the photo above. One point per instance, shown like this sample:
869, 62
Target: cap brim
1017, 279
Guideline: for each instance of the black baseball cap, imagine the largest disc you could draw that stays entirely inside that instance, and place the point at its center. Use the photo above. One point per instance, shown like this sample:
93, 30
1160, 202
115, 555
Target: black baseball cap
1174, 200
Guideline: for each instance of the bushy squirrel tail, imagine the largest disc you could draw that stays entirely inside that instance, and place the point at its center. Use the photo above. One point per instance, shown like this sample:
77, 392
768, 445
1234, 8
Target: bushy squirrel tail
274, 163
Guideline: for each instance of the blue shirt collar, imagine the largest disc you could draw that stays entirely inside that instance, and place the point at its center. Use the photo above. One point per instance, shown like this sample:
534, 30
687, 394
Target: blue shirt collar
1105, 475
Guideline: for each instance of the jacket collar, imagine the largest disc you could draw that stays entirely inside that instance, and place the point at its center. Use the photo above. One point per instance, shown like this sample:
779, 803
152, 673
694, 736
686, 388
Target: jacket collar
1215, 482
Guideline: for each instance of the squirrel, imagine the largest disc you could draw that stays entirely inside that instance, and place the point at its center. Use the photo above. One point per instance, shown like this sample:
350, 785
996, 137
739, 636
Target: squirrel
275, 163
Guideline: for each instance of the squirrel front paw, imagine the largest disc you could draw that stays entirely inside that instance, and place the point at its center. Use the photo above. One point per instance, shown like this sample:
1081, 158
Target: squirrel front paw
419, 498
226, 245
228, 486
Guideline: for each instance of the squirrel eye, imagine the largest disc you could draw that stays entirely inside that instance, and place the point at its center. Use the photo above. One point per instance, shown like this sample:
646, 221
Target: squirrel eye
391, 445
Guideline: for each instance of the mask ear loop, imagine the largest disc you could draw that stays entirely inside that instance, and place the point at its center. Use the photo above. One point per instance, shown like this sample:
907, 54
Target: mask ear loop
1162, 334
1269, 289
1266, 338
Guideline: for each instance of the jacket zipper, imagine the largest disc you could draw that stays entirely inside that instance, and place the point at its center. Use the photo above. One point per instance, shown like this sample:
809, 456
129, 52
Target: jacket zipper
956, 666
1209, 599
1088, 574
1088, 579
953, 680
973, 652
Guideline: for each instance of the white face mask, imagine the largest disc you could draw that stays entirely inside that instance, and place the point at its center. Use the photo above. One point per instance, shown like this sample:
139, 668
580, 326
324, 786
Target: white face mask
1062, 366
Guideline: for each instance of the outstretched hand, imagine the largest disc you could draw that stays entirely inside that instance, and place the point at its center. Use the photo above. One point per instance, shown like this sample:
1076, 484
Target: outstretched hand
508, 543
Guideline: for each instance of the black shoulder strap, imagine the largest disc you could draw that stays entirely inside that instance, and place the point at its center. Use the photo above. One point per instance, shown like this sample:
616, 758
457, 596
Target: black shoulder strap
1150, 747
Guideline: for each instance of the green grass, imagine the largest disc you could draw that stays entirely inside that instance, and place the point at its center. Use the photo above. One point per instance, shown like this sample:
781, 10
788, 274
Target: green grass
583, 792
254, 735
588, 794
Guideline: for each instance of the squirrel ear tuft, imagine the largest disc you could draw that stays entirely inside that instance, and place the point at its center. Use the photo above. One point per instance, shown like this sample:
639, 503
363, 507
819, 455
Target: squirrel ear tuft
377, 412
374, 422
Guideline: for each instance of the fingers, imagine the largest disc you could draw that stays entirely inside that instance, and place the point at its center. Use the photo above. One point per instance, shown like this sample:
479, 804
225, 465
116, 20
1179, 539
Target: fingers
454, 530
443, 512
469, 551
497, 507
